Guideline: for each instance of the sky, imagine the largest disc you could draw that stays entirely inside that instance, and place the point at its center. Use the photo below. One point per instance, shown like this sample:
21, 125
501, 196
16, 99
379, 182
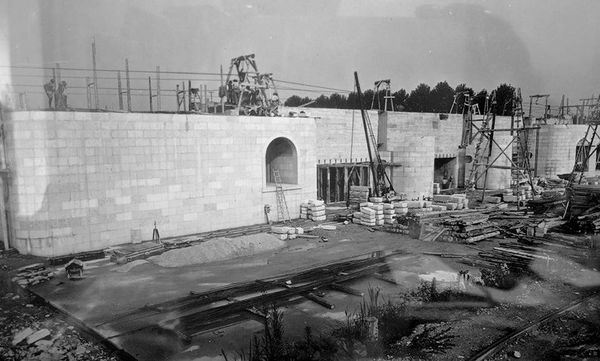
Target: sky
542, 46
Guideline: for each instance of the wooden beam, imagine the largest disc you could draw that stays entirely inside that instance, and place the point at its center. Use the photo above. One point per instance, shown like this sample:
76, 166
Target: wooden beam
345, 184
327, 186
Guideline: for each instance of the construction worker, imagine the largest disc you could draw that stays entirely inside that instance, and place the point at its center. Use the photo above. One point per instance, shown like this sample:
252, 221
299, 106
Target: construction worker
236, 92
61, 98
50, 89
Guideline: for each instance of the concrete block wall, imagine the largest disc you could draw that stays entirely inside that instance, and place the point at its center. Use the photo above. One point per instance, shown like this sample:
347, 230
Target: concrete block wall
85, 181
396, 127
556, 149
415, 176
335, 133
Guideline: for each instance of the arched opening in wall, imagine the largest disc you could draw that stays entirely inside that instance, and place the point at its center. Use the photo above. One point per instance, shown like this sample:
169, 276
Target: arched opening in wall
282, 155
581, 151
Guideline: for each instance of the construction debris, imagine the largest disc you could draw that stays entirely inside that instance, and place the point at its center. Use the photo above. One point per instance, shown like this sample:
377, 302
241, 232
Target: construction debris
32, 275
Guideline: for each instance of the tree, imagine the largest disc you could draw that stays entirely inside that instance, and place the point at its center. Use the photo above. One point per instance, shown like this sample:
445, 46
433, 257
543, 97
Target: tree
480, 99
400, 100
321, 102
462, 91
441, 97
295, 101
419, 99
504, 99
338, 101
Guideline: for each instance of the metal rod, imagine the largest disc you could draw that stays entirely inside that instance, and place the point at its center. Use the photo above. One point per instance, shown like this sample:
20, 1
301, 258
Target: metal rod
150, 93
362, 112
120, 90
158, 88
95, 72
88, 93
128, 84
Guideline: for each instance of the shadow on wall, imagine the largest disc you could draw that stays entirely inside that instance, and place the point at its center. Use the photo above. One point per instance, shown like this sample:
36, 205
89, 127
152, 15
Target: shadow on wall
44, 217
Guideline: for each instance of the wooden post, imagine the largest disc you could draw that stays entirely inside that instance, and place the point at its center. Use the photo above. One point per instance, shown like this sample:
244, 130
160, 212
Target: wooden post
128, 84
183, 96
120, 90
327, 186
150, 93
55, 87
96, 99
5, 213
158, 88
190, 95
222, 101
346, 188
205, 99
177, 95
88, 93
319, 183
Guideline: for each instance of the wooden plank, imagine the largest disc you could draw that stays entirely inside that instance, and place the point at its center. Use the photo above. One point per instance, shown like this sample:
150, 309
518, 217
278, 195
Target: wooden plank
318, 300
346, 289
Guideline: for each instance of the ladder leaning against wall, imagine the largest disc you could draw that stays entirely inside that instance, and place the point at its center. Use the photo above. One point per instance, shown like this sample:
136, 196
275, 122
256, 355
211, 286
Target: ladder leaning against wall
282, 209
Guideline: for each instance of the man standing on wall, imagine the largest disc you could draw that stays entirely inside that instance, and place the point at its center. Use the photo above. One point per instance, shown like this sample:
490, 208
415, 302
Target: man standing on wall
50, 89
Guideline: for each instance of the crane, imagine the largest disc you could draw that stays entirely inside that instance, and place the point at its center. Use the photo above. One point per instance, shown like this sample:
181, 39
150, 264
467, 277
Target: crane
248, 90
382, 184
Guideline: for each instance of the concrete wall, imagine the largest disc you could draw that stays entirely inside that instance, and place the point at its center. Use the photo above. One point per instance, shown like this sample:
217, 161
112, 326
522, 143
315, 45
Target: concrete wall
84, 181
556, 149
397, 127
415, 176
416, 140
335, 133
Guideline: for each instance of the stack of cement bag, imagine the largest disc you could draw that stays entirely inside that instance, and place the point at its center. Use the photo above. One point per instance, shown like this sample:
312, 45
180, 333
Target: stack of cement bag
377, 204
358, 195
450, 202
316, 210
371, 214
400, 208
389, 213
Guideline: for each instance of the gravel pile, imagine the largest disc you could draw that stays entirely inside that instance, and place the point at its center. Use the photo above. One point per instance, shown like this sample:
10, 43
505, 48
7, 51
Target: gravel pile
218, 249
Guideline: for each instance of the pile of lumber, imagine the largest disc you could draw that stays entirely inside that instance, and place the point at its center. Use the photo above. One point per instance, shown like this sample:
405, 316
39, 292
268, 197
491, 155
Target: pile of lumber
589, 221
469, 228
542, 205
32, 275
517, 257
582, 197
358, 195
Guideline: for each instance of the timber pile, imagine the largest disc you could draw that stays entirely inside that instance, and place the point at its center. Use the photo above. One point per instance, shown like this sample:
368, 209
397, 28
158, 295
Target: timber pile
588, 222
582, 197
32, 275
469, 228
548, 200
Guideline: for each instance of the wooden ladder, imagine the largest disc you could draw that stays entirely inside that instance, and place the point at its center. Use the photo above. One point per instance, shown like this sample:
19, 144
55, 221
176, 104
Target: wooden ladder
282, 209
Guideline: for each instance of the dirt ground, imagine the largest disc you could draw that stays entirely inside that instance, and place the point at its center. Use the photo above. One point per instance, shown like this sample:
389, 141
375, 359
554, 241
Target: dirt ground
20, 310
476, 317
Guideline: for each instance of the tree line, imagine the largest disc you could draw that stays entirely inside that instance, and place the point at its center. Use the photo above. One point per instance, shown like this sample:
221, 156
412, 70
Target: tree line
423, 98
